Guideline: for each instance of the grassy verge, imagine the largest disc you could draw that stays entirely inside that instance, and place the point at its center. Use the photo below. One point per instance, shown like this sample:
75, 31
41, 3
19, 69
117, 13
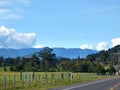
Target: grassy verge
45, 80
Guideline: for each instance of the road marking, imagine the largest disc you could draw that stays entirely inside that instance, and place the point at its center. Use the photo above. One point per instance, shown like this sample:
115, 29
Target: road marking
115, 86
87, 84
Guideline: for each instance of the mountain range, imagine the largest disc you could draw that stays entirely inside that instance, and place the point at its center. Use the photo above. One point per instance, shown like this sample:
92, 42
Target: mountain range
60, 52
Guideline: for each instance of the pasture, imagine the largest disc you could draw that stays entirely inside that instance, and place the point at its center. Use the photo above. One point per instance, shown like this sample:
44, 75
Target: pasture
43, 80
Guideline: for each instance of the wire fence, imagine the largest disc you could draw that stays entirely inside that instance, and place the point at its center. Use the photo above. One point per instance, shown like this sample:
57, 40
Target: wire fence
21, 80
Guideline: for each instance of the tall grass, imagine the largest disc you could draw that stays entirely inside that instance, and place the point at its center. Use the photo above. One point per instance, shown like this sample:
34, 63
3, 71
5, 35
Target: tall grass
44, 80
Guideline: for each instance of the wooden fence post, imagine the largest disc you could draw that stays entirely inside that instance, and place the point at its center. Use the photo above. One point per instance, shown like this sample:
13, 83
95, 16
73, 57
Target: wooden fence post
14, 81
21, 76
29, 80
52, 76
42, 77
46, 77
33, 75
62, 76
36, 79
39, 77
71, 76
23, 81
26, 77
4, 82
79, 75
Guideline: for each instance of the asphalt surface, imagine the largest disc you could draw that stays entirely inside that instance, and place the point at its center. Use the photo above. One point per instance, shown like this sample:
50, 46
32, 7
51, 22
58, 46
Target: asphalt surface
107, 84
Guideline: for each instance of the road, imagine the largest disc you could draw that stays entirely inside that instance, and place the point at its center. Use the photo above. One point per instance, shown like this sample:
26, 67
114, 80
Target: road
107, 84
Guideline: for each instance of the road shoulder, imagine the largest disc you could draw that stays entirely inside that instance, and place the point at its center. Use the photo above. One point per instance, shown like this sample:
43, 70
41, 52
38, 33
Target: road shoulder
73, 86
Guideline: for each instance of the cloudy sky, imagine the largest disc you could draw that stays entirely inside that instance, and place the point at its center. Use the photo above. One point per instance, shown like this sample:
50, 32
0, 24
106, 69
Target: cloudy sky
93, 24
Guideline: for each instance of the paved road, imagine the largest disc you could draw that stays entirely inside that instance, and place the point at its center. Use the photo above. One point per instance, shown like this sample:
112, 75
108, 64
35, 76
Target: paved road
96, 85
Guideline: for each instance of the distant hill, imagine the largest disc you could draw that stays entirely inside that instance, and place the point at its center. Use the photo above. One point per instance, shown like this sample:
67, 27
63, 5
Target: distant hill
60, 52
73, 52
110, 56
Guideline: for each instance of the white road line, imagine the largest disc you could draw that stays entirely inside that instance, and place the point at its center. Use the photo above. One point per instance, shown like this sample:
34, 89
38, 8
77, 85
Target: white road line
87, 84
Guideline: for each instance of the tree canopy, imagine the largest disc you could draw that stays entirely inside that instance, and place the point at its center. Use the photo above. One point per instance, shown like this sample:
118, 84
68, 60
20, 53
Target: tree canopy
46, 60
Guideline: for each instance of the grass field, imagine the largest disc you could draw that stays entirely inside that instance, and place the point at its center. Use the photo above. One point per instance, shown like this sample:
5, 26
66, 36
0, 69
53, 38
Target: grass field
2, 69
43, 80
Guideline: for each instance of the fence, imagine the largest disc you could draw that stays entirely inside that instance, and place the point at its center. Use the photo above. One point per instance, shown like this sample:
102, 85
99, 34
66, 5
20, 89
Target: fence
21, 80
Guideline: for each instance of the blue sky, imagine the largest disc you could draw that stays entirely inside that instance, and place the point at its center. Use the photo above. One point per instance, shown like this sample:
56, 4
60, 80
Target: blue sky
93, 24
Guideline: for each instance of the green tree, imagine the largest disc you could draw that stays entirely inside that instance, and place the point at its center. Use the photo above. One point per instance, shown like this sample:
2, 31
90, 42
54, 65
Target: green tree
11, 68
67, 65
103, 55
77, 65
100, 70
84, 67
32, 64
47, 59
1, 60
18, 64
90, 57
111, 70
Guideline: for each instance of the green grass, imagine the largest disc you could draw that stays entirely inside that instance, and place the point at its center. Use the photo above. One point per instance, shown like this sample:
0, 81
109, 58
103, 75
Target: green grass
2, 69
44, 80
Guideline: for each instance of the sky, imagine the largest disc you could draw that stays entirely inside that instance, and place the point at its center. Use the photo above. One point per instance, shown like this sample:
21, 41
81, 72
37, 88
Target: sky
85, 24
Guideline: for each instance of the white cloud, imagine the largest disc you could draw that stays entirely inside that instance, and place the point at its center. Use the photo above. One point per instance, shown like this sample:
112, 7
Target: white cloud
27, 2
102, 46
38, 46
10, 38
3, 11
6, 14
85, 46
14, 2
12, 9
4, 2
115, 41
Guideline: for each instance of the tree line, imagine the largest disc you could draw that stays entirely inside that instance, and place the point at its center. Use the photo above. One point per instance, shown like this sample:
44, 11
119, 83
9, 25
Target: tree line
46, 60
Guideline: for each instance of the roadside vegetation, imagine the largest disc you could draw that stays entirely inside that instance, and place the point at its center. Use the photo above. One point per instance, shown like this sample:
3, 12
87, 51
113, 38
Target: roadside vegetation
104, 62
51, 71
44, 80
